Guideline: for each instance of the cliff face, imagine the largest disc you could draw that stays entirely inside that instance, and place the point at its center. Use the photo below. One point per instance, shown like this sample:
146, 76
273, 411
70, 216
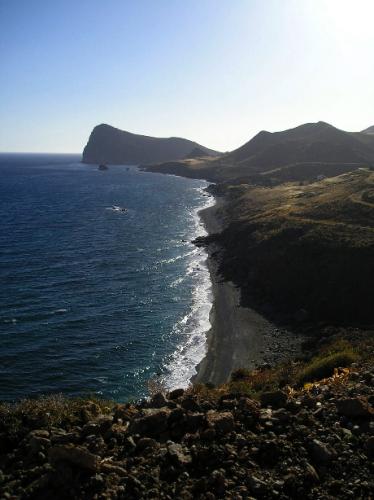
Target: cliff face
303, 251
111, 145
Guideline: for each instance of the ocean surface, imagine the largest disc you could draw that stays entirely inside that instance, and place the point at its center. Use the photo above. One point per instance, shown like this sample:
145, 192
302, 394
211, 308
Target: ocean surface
95, 300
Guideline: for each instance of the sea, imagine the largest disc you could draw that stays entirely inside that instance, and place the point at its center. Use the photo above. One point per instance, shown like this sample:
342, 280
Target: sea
101, 290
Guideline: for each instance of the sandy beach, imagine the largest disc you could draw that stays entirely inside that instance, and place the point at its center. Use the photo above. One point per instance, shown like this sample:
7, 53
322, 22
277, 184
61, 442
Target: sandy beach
239, 336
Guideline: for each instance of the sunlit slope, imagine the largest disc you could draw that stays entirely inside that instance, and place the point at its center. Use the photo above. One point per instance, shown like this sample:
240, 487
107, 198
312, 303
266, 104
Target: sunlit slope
307, 250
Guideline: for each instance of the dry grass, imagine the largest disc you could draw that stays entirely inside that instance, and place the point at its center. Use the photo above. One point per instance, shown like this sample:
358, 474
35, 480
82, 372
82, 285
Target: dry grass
324, 366
49, 411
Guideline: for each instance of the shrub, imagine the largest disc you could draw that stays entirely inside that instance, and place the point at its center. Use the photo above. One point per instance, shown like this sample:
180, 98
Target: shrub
47, 411
240, 374
323, 366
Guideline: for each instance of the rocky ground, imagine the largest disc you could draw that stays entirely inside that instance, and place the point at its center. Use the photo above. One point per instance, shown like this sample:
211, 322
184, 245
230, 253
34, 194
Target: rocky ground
314, 442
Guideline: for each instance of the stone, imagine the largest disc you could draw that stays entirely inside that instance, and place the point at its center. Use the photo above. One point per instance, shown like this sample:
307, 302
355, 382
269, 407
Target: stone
190, 403
145, 443
276, 399
177, 393
311, 473
38, 444
369, 447
257, 485
222, 422
320, 452
153, 423
158, 401
74, 455
354, 407
177, 455
194, 421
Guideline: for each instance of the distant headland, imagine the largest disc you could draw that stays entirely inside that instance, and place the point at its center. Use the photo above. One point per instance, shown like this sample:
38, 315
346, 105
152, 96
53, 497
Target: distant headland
111, 145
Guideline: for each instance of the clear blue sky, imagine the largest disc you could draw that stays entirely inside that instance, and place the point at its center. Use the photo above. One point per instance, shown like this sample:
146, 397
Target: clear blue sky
215, 71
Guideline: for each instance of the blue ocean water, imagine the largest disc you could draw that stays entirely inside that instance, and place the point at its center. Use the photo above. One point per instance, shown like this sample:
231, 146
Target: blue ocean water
95, 300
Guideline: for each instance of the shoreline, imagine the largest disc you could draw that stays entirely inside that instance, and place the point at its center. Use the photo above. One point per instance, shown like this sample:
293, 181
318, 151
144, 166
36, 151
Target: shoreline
239, 336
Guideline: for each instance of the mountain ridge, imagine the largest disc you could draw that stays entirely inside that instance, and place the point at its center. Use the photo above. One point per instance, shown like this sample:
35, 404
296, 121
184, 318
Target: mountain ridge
108, 144
298, 154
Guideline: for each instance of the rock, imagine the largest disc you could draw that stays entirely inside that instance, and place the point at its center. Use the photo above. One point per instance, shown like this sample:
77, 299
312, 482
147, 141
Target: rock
354, 407
154, 422
63, 437
194, 421
190, 403
177, 455
177, 393
311, 473
276, 399
38, 444
145, 443
222, 422
257, 485
218, 482
320, 452
158, 401
369, 447
42, 433
74, 455
109, 468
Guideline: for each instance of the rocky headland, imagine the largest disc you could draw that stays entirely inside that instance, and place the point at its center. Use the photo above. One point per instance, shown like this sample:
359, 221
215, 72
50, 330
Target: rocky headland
110, 145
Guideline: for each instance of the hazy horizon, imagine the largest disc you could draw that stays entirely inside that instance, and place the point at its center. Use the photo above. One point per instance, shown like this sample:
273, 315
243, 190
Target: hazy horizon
215, 73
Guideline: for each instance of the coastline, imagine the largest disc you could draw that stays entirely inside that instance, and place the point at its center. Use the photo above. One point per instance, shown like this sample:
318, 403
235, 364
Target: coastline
239, 336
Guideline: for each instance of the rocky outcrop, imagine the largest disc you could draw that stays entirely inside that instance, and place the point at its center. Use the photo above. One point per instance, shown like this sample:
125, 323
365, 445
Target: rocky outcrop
109, 145
309, 443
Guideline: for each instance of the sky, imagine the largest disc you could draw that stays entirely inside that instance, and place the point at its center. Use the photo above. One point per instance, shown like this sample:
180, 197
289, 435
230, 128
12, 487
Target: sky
213, 71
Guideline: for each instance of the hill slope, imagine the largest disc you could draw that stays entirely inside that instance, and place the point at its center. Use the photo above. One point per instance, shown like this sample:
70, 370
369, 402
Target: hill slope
108, 144
369, 130
222, 443
302, 249
297, 154
311, 142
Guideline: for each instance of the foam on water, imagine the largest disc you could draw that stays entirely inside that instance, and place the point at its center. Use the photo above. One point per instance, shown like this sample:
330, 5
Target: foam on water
192, 327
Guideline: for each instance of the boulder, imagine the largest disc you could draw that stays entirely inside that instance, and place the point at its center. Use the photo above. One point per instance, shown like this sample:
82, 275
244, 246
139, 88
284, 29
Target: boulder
74, 455
153, 423
177, 393
354, 407
276, 399
222, 422
158, 401
178, 455
320, 452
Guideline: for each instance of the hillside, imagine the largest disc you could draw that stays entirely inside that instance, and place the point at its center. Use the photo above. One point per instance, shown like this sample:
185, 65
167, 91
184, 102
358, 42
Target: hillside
262, 435
107, 144
299, 154
369, 130
302, 252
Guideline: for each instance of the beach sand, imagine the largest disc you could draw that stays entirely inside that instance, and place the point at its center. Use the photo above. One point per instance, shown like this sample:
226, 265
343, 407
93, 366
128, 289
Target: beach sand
239, 336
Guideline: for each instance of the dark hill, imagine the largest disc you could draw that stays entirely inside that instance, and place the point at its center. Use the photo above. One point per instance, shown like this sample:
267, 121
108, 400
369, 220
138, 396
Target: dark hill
369, 130
110, 145
196, 153
300, 154
311, 142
